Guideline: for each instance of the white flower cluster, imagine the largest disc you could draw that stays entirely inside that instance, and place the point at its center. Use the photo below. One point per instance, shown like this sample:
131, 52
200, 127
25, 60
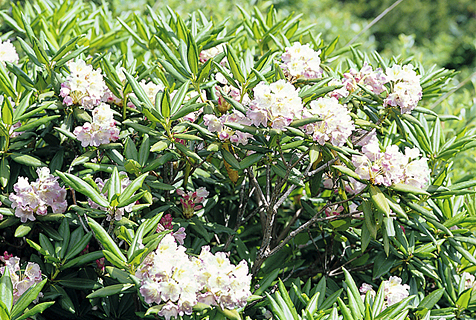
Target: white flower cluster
336, 125
301, 62
8, 52
22, 280
101, 131
470, 281
215, 124
116, 213
84, 86
373, 80
172, 278
35, 198
278, 103
393, 289
392, 166
406, 89
211, 53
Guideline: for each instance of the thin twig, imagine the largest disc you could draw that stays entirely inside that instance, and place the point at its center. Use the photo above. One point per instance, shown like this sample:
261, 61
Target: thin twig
446, 95
374, 21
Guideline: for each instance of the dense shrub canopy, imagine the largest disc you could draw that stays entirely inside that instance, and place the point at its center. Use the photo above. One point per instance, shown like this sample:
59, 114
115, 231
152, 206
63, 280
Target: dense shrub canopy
158, 165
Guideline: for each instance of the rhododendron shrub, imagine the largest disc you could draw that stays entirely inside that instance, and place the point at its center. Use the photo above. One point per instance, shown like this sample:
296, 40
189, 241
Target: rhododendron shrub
169, 166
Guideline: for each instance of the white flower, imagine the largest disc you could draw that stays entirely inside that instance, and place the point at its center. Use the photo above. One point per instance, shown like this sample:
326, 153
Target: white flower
301, 62
8, 52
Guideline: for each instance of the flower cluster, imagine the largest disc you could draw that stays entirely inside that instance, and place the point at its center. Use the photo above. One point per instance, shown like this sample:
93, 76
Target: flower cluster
393, 289
392, 166
215, 124
406, 89
8, 52
336, 125
35, 198
301, 62
191, 200
172, 278
22, 280
373, 80
101, 131
84, 86
115, 213
278, 103
211, 53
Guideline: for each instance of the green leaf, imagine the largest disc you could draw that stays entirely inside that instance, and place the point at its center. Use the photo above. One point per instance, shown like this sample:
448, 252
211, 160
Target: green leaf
39, 308
230, 159
24, 229
369, 219
464, 298
354, 291
302, 122
7, 111
132, 188
234, 65
192, 55
79, 246
379, 200
431, 300
250, 160
114, 187
110, 290
144, 150
27, 160
83, 187
401, 187
105, 239
347, 171
165, 104
84, 259
6, 290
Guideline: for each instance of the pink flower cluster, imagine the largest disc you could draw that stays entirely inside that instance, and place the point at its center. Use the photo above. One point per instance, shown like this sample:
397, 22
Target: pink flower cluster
393, 289
211, 53
8, 52
301, 62
191, 200
177, 281
35, 198
336, 125
84, 86
116, 213
101, 131
392, 166
215, 124
22, 280
401, 83
277, 103
229, 90
406, 90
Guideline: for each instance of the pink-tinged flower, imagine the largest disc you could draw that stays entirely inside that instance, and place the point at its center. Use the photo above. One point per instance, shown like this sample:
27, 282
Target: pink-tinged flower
392, 166
301, 62
35, 198
334, 210
171, 278
8, 53
22, 280
469, 280
84, 86
113, 212
336, 125
191, 200
211, 53
395, 291
277, 104
406, 89
165, 223
215, 124
366, 77
102, 130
